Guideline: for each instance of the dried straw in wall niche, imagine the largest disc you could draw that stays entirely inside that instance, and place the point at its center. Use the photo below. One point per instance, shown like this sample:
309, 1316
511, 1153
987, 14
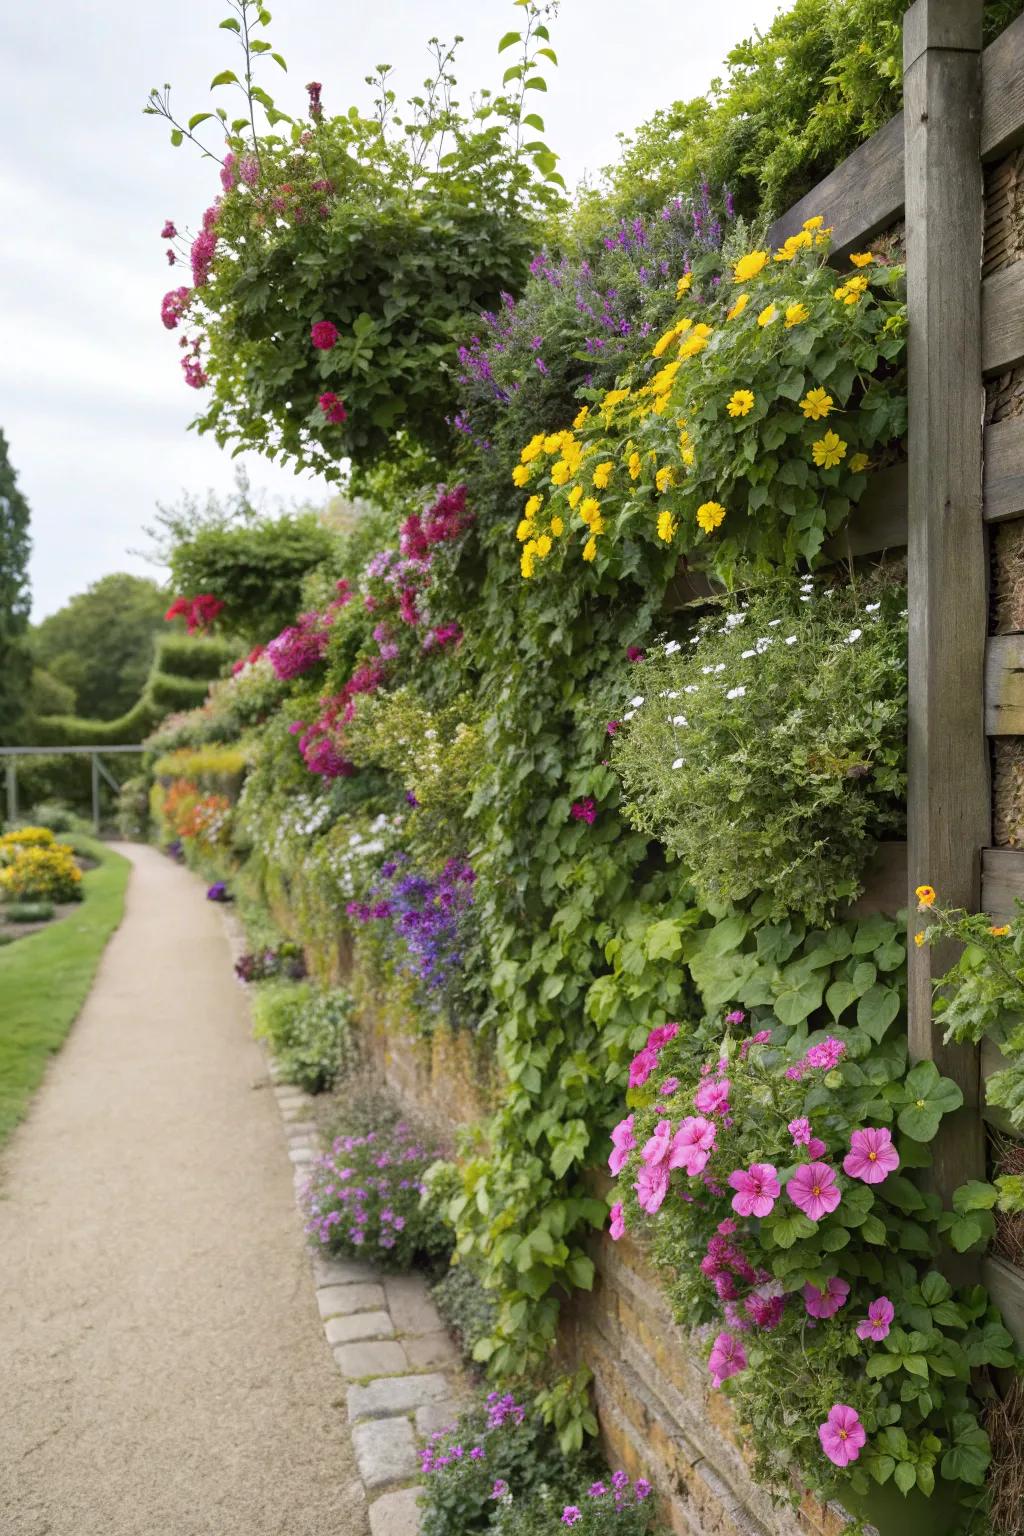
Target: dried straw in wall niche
1004, 396
1005, 1424
1007, 584
1008, 792
1004, 213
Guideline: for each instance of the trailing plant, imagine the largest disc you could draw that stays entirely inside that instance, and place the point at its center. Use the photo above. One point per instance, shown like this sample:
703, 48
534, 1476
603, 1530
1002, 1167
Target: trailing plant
609, 1506
465, 1307
308, 1030
768, 751
253, 572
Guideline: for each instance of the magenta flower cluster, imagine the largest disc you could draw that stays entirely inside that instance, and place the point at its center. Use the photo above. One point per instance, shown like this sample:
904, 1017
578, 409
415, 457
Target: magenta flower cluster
364, 1195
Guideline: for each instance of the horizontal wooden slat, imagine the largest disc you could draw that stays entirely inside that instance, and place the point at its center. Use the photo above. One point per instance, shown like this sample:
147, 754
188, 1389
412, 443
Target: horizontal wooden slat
1004, 686
1006, 1287
885, 882
1002, 880
1004, 469
1002, 92
879, 521
859, 198
1002, 319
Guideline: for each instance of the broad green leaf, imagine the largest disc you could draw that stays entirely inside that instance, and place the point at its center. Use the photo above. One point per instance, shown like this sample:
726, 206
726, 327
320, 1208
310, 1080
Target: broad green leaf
509, 40
226, 77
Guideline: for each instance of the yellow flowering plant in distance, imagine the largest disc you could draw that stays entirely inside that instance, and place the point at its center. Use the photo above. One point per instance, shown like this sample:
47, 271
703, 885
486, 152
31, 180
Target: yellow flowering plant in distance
748, 433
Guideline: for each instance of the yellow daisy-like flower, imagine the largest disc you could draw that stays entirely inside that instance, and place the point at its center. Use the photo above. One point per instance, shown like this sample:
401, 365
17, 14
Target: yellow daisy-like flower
740, 402
574, 496
590, 548
919, 939
664, 342
796, 314
526, 562
816, 404
525, 530
666, 527
665, 478
552, 442
767, 315
533, 506
590, 510
602, 474
828, 451
581, 416
683, 285
710, 515
520, 474
688, 457
634, 466
814, 223
557, 527
795, 243
749, 266
1000, 932
739, 306
925, 896
560, 472
543, 547
532, 448
858, 462
697, 342
851, 291
861, 258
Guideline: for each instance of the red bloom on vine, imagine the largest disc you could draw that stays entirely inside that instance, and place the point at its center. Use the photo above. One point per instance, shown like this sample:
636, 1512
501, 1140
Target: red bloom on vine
323, 334
332, 407
199, 612
585, 810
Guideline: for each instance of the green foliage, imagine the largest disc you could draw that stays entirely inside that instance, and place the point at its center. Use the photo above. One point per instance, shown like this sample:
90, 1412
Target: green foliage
770, 756
37, 1018
49, 696
100, 644
132, 812
27, 912
15, 656
389, 229
256, 571
465, 1307
610, 1513
308, 1031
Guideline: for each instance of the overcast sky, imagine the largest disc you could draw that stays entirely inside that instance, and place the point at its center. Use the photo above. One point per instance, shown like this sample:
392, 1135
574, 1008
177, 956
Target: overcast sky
91, 396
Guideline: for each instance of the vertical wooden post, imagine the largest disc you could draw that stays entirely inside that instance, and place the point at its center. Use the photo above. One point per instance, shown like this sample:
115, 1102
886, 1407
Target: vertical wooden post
949, 795
94, 760
12, 790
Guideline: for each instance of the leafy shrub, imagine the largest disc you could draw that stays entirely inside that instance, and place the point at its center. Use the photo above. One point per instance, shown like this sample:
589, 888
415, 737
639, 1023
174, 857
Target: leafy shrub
769, 752
28, 911
494, 1447
132, 813
467, 1309
610, 1506
366, 1196
59, 818
28, 837
41, 873
308, 1030
256, 571
779, 1198
285, 959
735, 428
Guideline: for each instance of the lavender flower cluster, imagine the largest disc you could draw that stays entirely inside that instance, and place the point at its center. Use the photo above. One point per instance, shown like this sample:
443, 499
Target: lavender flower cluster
425, 914
367, 1194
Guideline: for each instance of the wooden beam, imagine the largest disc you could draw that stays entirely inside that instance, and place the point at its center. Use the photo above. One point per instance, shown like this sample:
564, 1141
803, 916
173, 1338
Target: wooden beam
861, 197
1002, 880
1004, 469
1002, 319
879, 521
1004, 686
885, 883
949, 815
1005, 1284
1002, 93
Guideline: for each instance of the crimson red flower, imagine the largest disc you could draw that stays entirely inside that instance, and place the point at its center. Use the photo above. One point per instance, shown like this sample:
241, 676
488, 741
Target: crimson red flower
332, 407
323, 334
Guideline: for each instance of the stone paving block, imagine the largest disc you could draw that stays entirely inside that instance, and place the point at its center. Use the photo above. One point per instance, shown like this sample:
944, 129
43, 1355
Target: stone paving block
385, 1452
380, 1357
431, 1349
362, 1325
436, 1416
300, 1156
328, 1271
411, 1306
396, 1514
395, 1394
343, 1300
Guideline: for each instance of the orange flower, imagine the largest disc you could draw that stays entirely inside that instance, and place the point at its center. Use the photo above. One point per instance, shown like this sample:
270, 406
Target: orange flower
925, 897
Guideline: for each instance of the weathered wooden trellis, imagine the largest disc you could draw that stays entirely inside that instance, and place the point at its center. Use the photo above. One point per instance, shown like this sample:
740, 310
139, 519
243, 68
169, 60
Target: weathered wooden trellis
963, 117
99, 771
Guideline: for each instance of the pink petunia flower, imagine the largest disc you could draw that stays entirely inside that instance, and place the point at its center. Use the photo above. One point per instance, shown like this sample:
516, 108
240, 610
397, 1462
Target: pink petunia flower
757, 1189
652, 1187
727, 1359
816, 1148
712, 1097
813, 1189
617, 1223
661, 1036
657, 1147
323, 334
826, 1303
842, 1435
765, 1305
623, 1144
727, 1227
641, 1067
878, 1321
826, 1056
872, 1156
692, 1145
800, 1130
669, 1086
736, 1017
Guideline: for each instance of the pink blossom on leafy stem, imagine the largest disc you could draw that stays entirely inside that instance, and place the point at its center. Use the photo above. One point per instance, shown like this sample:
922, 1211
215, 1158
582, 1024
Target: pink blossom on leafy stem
617, 1222
826, 1303
757, 1189
727, 1359
735, 1017
584, 810
641, 1067
813, 1190
623, 1144
651, 1187
815, 1148
571, 1515
800, 1130
323, 334
661, 1035
872, 1156
712, 1097
692, 1145
842, 1435
878, 1321
669, 1086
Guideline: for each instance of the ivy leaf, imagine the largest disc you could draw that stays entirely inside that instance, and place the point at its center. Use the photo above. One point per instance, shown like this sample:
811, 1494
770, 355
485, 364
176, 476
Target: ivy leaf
974, 1196
839, 997
877, 1009
797, 1003
970, 1453
662, 940
927, 1097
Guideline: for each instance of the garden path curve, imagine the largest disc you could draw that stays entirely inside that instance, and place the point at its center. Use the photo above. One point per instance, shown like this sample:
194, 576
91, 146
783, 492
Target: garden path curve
162, 1365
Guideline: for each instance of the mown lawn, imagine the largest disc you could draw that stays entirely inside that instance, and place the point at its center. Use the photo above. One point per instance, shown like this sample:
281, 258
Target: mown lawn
45, 978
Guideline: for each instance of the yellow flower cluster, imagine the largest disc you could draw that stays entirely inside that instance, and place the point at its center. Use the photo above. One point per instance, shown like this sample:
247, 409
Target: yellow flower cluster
41, 872
27, 837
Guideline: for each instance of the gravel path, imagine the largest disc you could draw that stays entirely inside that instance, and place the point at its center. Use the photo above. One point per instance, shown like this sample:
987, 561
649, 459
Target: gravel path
162, 1366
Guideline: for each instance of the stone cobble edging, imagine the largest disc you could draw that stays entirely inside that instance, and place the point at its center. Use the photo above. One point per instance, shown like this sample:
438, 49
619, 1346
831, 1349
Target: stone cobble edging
387, 1339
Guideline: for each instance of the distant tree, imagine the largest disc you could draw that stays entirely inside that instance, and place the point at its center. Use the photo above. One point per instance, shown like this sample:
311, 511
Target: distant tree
100, 644
15, 656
